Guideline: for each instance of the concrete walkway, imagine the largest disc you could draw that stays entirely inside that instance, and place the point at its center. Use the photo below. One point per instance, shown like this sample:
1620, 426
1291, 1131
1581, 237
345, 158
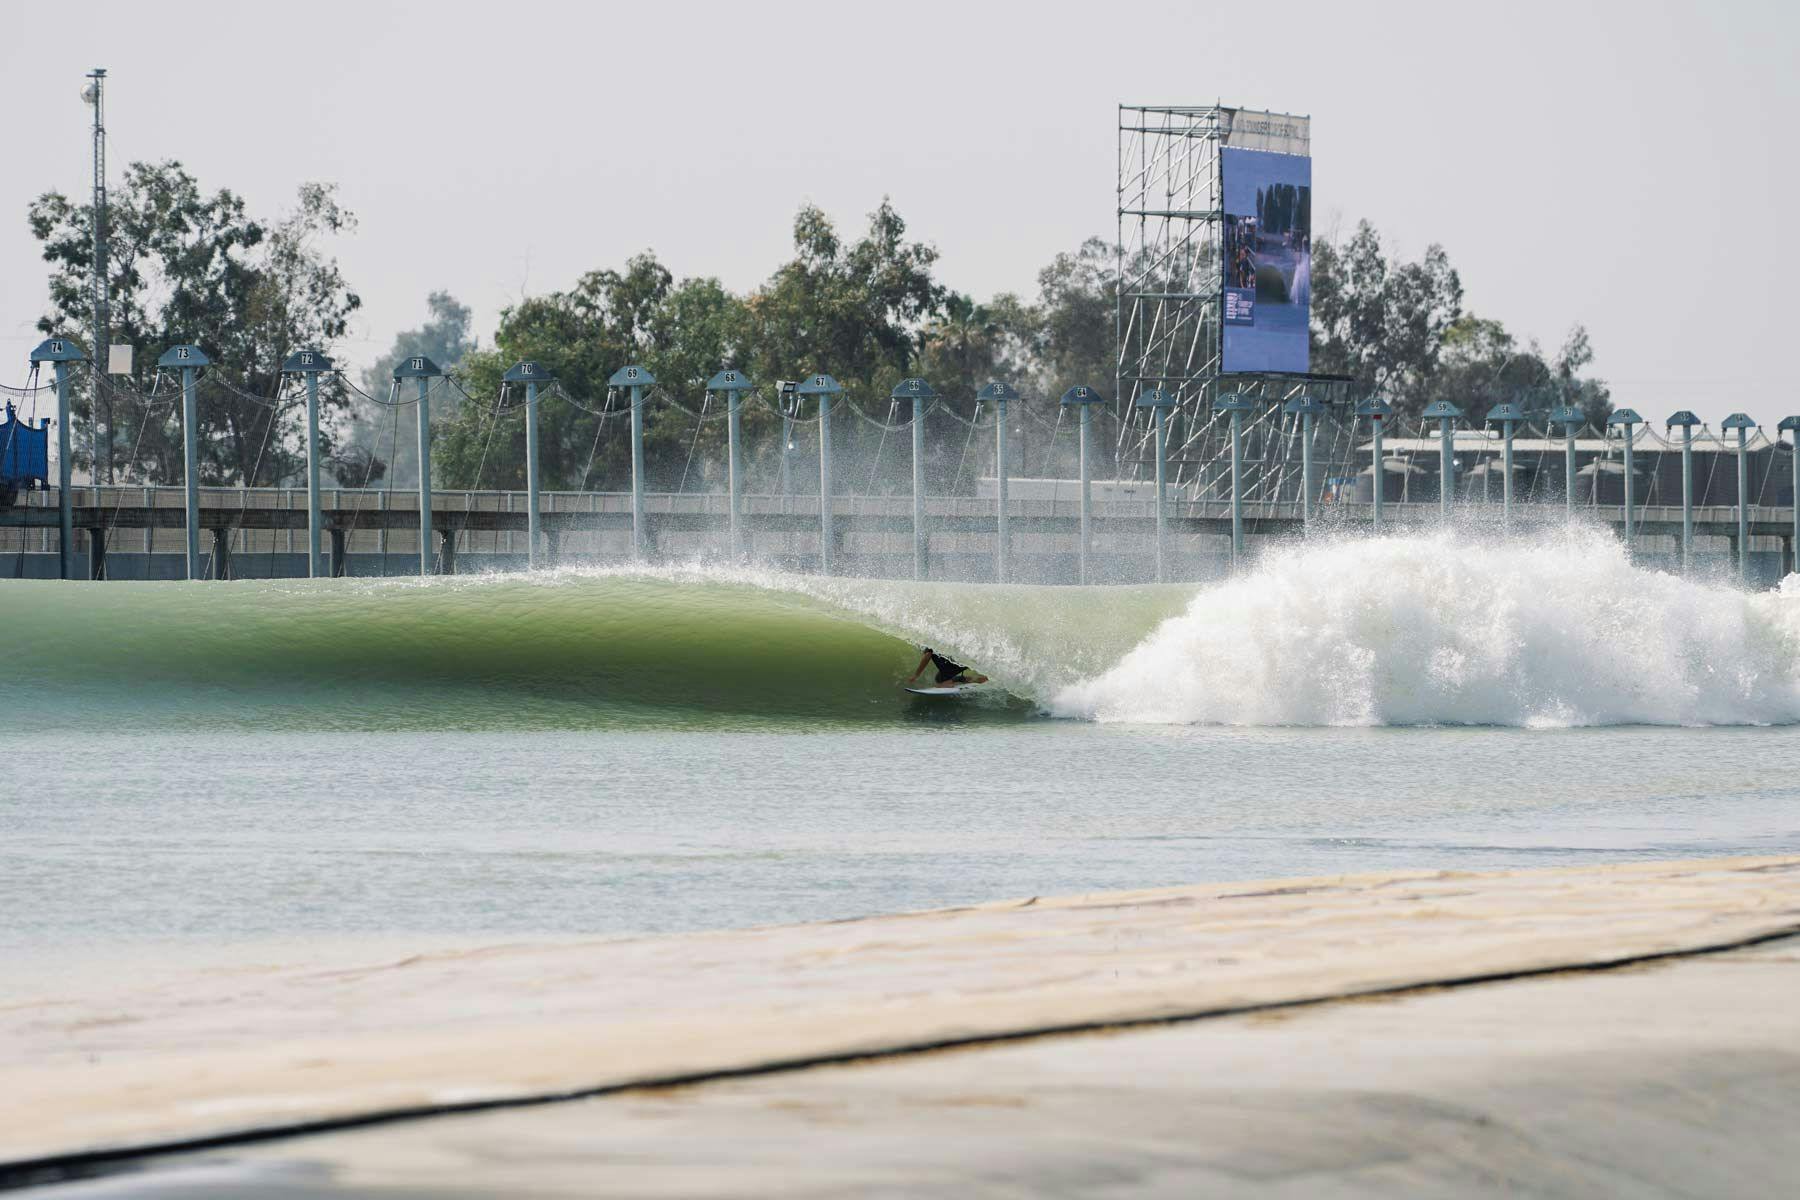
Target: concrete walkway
1442, 1092
1680, 1079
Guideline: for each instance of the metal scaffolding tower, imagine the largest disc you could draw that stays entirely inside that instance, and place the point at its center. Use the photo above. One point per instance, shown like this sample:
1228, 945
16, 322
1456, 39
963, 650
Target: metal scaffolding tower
1171, 202
1170, 205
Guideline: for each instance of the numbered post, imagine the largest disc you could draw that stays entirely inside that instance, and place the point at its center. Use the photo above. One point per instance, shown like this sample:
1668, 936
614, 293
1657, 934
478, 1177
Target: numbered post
733, 384
60, 352
189, 359
1000, 393
1306, 408
920, 393
531, 375
1791, 425
311, 363
1084, 399
636, 379
824, 387
1626, 419
423, 370
1236, 404
1446, 414
1159, 402
1509, 415
1743, 425
1377, 411
1571, 419
1685, 421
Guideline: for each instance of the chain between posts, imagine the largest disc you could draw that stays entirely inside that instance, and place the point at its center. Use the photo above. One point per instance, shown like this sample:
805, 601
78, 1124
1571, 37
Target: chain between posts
888, 427
605, 413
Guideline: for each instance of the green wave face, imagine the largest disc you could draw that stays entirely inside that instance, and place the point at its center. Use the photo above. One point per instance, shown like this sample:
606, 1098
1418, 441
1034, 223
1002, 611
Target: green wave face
567, 650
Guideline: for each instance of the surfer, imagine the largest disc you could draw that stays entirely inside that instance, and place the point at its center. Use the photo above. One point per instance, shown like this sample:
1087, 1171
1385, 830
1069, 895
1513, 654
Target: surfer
949, 672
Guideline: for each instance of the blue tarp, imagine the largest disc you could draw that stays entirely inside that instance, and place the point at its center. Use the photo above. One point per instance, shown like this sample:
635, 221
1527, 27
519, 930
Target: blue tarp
24, 451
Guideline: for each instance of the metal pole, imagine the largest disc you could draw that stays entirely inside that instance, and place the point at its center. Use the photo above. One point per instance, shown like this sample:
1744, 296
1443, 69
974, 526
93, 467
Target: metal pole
1237, 485
1162, 508
1446, 469
787, 445
825, 530
1796, 502
533, 517
1380, 474
638, 529
918, 486
1306, 472
1002, 535
190, 460
1506, 483
65, 475
1687, 499
1569, 465
102, 338
734, 469
1087, 494
1628, 489
1743, 512
425, 556
315, 562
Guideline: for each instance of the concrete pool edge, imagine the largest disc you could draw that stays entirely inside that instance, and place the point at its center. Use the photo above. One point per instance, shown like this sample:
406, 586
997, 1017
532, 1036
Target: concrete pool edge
1349, 930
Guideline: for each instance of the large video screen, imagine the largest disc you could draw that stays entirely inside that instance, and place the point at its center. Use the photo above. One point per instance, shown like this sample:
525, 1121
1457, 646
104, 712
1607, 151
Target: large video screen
1268, 260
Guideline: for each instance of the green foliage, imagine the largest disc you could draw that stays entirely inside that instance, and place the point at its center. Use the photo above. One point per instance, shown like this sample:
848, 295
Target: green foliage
383, 443
187, 267
1399, 328
1382, 322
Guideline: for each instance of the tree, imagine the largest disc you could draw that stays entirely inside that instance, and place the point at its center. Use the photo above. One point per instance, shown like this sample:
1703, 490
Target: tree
187, 267
683, 333
1076, 317
1380, 322
380, 447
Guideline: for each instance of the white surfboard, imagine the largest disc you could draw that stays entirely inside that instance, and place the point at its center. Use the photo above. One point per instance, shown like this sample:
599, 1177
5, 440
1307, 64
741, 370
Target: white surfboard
954, 690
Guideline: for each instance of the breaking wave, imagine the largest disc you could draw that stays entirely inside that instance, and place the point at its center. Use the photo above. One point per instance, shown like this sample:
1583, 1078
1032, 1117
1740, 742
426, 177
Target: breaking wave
1555, 631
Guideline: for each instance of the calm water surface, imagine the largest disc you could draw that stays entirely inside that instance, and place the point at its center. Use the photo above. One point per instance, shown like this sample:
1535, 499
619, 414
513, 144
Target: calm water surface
217, 838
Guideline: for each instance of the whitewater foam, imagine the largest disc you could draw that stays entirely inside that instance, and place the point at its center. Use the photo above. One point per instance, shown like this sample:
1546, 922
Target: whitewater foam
1553, 631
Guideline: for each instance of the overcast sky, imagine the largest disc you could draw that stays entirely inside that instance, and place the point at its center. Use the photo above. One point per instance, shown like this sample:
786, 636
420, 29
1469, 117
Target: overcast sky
1627, 166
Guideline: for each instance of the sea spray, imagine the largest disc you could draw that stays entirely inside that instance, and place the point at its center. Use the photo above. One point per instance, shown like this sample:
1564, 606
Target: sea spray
1557, 629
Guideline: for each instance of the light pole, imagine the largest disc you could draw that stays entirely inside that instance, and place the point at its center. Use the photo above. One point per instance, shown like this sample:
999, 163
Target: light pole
95, 95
